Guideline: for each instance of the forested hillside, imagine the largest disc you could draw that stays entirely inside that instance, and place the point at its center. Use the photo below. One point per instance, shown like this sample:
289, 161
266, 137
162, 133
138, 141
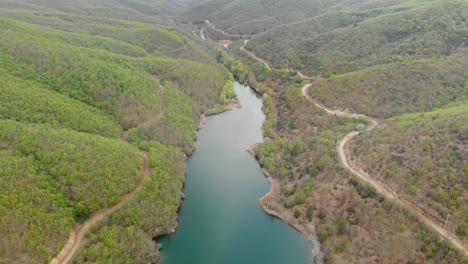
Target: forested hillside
137, 10
424, 156
403, 87
82, 99
256, 16
379, 58
403, 62
99, 99
352, 39
354, 223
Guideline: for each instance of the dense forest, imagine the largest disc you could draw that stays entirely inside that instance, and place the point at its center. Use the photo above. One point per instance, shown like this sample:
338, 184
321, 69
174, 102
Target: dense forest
151, 212
158, 12
246, 17
83, 97
91, 91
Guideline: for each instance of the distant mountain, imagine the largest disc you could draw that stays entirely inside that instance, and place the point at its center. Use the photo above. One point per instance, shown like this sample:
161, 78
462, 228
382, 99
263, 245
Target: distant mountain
255, 16
395, 56
348, 40
139, 10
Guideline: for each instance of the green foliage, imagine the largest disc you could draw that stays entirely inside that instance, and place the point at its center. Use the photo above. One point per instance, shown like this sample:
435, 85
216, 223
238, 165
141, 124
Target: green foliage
151, 213
403, 228
200, 81
36, 219
176, 126
435, 173
397, 88
238, 69
310, 211
50, 178
64, 74
324, 235
300, 150
287, 191
300, 197
360, 34
94, 77
297, 212
117, 85
139, 10
227, 93
404, 56
365, 190
92, 171
154, 207
413, 190
116, 244
282, 155
28, 102
255, 16
462, 230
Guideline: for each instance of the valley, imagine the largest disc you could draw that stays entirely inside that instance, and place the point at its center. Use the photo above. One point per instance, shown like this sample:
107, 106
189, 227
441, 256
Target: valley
364, 135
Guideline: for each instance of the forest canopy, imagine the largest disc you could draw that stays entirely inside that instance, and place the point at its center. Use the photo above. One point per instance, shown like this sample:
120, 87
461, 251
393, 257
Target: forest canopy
81, 99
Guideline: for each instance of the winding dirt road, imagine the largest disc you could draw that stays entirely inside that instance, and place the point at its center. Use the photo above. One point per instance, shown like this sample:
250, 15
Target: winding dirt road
429, 219
224, 33
202, 34
78, 232
382, 188
254, 56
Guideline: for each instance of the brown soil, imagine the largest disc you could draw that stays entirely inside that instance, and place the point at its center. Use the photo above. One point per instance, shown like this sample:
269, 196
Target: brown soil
271, 204
429, 219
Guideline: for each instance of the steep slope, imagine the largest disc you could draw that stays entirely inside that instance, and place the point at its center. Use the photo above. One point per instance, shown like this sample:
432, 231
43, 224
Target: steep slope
73, 174
397, 88
351, 39
74, 88
424, 156
356, 224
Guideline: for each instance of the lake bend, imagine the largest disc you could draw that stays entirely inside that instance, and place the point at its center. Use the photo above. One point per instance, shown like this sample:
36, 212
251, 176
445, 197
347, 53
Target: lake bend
220, 221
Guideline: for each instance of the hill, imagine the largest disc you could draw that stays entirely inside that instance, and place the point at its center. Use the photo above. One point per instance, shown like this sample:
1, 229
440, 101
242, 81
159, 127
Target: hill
83, 98
383, 58
401, 87
138, 10
403, 63
424, 156
246, 17
354, 222
351, 39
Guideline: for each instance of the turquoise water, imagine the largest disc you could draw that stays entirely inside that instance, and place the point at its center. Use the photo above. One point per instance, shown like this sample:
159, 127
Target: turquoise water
220, 221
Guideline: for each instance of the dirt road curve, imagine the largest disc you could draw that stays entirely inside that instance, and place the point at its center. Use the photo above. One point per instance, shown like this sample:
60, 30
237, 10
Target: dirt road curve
78, 232
389, 194
425, 216
224, 33
253, 55
335, 112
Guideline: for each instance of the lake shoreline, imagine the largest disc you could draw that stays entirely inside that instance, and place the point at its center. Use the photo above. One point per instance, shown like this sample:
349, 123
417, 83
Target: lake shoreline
172, 228
299, 245
269, 203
